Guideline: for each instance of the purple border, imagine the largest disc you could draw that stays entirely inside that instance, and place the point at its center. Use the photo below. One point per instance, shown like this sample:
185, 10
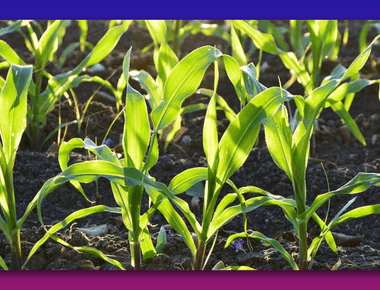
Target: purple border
195, 9
188, 280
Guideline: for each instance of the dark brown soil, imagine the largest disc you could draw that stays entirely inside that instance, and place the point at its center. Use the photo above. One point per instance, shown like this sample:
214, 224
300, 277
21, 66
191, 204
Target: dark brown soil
342, 159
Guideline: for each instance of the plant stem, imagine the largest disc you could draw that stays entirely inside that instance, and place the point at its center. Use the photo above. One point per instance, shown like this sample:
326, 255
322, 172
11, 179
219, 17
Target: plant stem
35, 126
135, 251
303, 263
16, 249
176, 41
200, 257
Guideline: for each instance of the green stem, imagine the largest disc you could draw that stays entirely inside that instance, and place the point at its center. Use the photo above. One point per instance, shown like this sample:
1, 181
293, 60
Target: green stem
16, 249
300, 193
135, 251
200, 257
303, 263
176, 41
35, 126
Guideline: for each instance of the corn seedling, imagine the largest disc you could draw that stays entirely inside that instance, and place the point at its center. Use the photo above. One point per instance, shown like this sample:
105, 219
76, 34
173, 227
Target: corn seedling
323, 41
165, 60
13, 99
290, 151
140, 150
223, 159
42, 102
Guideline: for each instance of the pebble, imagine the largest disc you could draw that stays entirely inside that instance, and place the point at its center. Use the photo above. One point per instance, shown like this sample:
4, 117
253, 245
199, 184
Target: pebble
186, 139
345, 134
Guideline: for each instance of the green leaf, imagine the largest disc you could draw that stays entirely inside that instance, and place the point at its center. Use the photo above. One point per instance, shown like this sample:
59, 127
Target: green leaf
279, 140
62, 82
124, 77
296, 36
13, 104
48, 44
235, 74
157, 30
83, 26
229, 113
147, 248
324, 34
152, 157
167, 60
360, 60
226, 201
347, 88
186, 179
9, 54
15, 26
263, 41
106, 44
72, 217
357, 213
301, 137
136, 134
161, 240
2, 264
237, 141
297, 68
358, 184
338, 108
210, 130
102, 152
149, 85
237, 49
252, 85
274, 243
248, 206
181, 83
176, 221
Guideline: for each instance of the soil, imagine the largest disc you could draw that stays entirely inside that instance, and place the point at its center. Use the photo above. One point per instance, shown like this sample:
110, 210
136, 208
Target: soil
341, 155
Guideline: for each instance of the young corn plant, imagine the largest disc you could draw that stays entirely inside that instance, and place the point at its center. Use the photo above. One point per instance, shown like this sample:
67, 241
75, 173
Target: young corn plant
290, 151
223, 159
42, 101
177, 31
13, 100
129, 176
306, 61
165, 60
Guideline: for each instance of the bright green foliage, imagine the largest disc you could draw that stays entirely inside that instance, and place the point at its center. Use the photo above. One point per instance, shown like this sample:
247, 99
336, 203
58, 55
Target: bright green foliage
306, 61
13, 100
290, 151
274, 243
165, 87
223, 159
140, 150
44, 49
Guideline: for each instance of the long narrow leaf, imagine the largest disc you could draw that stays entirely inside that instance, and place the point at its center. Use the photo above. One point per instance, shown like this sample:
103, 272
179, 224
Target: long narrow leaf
181, 83
358, 184
13, 100
48, 44
186, 179
136, 134
274, 243
237, 141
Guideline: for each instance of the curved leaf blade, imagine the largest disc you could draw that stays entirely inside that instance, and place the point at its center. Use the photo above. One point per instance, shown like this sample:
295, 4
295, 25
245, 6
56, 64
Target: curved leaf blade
274, 243
181, 83
240, 136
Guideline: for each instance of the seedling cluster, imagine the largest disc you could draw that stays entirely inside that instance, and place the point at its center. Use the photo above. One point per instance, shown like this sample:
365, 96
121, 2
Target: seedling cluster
29, 93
